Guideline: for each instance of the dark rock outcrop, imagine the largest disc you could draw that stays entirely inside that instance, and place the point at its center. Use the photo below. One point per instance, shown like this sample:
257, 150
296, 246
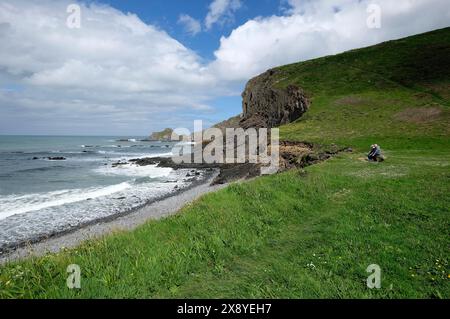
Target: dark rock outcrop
58, 158
264, 105
119, 164
227, 172
292, 155
164, 135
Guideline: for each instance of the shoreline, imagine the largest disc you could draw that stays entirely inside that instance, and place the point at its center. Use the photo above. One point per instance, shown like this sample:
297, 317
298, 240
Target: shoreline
156, 209
215, 176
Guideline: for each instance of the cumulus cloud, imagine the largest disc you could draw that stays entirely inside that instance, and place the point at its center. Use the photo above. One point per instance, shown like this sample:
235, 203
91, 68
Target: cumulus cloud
221, 11
191, 25
114, 66
321, 27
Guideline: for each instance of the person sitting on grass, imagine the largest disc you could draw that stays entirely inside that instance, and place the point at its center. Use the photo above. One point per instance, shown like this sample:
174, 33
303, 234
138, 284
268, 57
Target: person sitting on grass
375, 154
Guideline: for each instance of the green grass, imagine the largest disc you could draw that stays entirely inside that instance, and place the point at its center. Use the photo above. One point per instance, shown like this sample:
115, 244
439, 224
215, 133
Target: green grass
357, 97
309, 233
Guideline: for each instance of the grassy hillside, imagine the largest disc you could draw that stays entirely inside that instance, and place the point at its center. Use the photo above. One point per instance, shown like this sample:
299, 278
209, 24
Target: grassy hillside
304, 233
396, 93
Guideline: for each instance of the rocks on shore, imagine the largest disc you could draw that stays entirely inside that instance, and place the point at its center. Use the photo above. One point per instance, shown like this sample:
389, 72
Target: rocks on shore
56, 158
292, 155
118, 164
145, 161
264, 105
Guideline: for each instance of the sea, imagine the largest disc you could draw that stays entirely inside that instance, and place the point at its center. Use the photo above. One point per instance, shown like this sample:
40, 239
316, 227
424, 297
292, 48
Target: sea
41, 197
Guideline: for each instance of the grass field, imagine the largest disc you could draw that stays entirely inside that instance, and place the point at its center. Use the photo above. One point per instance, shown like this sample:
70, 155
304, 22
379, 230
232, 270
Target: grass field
304, 233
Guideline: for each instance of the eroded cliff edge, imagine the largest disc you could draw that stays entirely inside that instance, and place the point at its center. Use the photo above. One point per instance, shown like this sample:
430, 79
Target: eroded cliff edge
266, 105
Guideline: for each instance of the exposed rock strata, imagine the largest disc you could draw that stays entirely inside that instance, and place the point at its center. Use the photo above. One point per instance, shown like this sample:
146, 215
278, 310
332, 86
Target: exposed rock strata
265, 105
292, 155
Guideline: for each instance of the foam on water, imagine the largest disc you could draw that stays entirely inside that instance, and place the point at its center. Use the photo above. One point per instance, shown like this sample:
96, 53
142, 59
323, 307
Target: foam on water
134, 170
13, 205
38, 215
40, 197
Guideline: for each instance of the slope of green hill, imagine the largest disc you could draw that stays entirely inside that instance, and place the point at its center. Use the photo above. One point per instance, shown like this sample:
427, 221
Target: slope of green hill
396, 93
304, 233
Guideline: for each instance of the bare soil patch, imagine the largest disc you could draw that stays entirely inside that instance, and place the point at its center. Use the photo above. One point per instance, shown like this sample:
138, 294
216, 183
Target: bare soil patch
351, 100
419, 114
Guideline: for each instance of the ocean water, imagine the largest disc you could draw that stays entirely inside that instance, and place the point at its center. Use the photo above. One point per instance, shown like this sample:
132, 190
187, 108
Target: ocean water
41, 197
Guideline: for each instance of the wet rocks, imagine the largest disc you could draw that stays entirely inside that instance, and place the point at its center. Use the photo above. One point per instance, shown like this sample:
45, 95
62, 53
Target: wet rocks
57, 158
145, 161
118, 164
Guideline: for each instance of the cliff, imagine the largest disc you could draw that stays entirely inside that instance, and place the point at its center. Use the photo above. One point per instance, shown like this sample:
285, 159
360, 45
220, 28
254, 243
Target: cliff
164, 135
265, 105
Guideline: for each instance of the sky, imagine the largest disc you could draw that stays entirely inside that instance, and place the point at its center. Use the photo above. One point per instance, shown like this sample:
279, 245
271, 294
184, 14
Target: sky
131, 67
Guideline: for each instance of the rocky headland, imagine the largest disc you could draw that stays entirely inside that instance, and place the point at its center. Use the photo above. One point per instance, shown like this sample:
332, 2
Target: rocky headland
263, 106
164, 135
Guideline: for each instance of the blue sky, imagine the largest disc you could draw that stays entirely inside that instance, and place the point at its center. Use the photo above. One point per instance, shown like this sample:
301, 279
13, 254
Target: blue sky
165, 14
130, 67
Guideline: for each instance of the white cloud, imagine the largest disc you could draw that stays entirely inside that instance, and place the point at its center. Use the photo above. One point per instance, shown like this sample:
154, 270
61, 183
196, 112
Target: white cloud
191, 25
115, 66
321, 27
221, 11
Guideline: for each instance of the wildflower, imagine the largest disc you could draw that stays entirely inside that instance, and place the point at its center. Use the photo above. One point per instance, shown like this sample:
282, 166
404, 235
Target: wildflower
311, 265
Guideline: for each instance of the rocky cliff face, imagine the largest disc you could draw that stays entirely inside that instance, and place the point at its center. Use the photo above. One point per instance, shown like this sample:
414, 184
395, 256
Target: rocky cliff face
164, 135
264, 105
